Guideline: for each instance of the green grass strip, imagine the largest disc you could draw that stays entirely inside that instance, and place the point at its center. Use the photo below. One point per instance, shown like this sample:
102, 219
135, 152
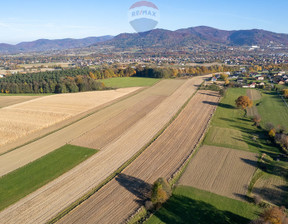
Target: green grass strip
25, 180
191, 205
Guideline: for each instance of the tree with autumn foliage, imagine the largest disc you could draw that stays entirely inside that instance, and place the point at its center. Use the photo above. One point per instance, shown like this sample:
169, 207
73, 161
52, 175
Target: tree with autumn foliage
243, 102
285, 93
161, 192
273, 215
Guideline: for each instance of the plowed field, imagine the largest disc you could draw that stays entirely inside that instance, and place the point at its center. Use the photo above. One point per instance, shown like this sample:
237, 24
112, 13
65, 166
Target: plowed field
123, 195
46, 202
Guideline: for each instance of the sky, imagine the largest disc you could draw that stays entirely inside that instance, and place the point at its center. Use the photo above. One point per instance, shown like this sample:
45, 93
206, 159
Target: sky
56, 19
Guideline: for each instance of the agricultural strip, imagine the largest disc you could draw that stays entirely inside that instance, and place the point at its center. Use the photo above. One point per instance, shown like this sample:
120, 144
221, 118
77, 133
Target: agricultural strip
29, 178
100, 136
191, 205
125, 82
273, 189
25, 118
222, 171
273, 110
254, 95
6, 101
45, 203
121, 197
233, 138
41, 147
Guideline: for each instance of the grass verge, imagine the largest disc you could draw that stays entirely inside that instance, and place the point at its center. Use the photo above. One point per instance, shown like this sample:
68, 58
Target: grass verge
191, 205
31, 177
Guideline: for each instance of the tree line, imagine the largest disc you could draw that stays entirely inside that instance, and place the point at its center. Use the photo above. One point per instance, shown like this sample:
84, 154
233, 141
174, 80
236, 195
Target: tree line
87, 79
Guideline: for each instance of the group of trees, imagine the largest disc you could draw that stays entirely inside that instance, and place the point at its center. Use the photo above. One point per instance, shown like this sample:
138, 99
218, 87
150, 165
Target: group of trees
278, 135
85, 79
62, 81
273, 215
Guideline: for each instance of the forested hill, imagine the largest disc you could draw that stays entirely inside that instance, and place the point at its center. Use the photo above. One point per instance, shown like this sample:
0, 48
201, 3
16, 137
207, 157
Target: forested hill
196, 36
48, 45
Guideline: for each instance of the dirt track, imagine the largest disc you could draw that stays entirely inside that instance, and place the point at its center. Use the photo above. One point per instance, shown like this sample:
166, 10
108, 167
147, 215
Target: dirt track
46, 202
253, 94
222, 171
122, 196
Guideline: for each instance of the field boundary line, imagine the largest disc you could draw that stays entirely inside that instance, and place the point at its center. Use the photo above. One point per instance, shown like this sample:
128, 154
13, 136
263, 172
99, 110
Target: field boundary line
82, 117
68, 209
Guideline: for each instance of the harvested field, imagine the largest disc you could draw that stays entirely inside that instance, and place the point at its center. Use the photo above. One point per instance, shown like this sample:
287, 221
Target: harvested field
226, 137
98, 137
222, 171
273, 189
43, 146
46, 202
6, 101
253, 94
25, 118
121, 197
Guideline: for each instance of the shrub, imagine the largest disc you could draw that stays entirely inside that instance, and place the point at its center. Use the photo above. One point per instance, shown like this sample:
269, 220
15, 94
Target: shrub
161, 192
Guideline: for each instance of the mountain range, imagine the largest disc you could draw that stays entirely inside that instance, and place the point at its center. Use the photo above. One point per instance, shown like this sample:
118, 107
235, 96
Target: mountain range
48, 45
201, 36
158, 38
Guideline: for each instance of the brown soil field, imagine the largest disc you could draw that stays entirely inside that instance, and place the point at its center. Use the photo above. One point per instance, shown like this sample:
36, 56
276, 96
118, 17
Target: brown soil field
125, 194
46, 202
253, 94
6, 101
43, 146
271, 188
222, 171
28, 117
100, 136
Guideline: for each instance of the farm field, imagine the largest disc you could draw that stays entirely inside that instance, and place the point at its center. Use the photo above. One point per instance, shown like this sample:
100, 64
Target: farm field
6, 101
222, 171
226, 137
60, 193
104, 133
238, 129
191, 205
125, 82
272, 109
25, 118
27, 179
272, 188
117, 200
43, 146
